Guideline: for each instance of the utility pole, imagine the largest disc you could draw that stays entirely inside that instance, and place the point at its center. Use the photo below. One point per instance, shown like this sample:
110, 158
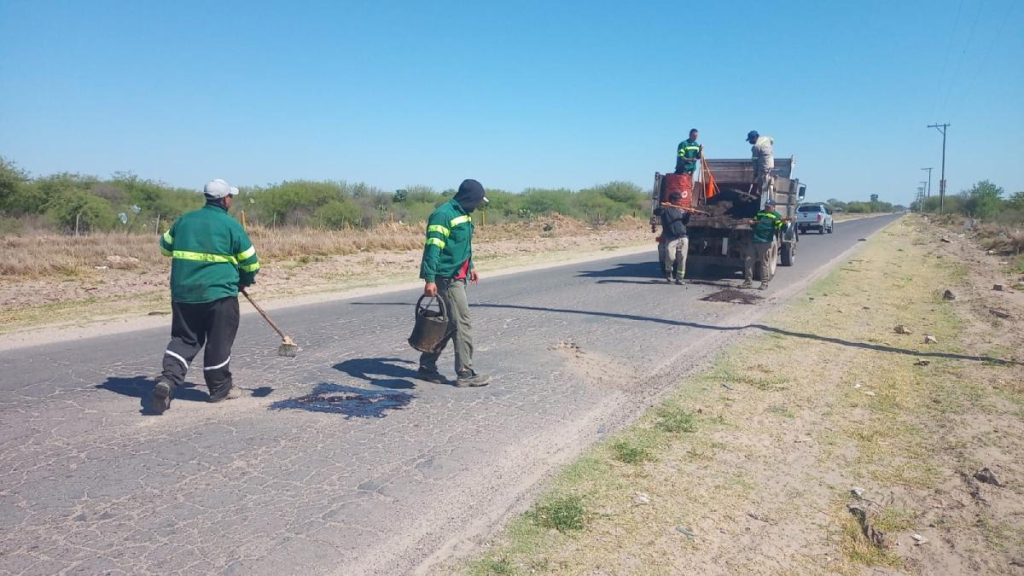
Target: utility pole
928, 191
942, 178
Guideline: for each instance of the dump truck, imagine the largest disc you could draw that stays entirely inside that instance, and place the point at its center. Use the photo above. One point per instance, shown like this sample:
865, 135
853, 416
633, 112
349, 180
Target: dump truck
721, 209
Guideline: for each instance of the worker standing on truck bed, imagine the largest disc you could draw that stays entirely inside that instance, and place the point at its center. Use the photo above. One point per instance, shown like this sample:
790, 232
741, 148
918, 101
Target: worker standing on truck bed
688, 153
764, 225
211, 259
674, 243
764, 163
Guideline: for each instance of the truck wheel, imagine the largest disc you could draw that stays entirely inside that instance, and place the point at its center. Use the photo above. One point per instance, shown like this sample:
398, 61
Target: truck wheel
787, 253
831, 227
821, 229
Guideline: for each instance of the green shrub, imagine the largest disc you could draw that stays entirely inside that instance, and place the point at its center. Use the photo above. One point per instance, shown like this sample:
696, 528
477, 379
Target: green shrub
337, 214
83, 212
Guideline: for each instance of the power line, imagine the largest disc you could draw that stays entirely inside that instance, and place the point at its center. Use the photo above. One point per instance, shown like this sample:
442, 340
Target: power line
945, 60
960, 60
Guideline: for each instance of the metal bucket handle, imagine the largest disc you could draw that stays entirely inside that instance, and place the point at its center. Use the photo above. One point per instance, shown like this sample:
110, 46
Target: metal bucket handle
421, 309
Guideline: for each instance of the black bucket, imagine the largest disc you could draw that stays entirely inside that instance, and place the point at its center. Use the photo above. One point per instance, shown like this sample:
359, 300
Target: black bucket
431, 325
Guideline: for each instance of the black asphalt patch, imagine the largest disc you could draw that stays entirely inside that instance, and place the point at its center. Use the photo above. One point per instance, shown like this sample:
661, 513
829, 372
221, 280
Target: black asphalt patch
346, 400
732, 296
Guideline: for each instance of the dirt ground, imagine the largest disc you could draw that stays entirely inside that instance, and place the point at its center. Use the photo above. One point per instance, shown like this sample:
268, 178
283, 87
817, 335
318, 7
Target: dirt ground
115, 285
875, 425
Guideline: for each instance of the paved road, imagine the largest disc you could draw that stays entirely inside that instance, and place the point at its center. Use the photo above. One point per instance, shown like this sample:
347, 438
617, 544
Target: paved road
339, 461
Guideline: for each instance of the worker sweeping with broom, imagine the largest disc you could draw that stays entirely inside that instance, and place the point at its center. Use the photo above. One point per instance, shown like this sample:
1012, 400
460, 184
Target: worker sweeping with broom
212, 259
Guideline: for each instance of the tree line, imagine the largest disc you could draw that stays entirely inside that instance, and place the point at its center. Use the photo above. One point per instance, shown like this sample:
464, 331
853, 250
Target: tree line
75, 203
984, 201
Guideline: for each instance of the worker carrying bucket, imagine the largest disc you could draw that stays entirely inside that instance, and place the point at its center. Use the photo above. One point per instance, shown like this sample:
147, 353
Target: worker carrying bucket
446, 268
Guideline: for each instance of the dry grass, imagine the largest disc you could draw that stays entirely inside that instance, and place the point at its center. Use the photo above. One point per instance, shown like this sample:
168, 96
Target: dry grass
1002, 239
35, 255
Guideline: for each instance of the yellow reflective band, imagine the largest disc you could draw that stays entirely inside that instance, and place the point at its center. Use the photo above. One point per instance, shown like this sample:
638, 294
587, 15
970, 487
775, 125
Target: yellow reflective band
440, 229
246, 254
165, 251
460, 220
204, 257
692, 148
168, 238
436, 242
250, 267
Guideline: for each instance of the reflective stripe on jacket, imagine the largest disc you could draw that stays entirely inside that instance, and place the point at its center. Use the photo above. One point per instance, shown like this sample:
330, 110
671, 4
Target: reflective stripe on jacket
687, 155
765, 224
449, 242
210, 256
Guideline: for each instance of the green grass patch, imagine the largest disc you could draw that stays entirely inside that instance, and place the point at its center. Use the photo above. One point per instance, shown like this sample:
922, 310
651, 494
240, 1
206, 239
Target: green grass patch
632, 451
674, 419
564, 513
494, 567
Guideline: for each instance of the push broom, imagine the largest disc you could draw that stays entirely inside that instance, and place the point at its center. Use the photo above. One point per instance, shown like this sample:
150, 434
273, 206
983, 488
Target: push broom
288, 346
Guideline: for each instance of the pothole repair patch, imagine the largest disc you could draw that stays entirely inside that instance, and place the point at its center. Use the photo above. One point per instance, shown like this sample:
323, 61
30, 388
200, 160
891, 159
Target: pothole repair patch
732, 296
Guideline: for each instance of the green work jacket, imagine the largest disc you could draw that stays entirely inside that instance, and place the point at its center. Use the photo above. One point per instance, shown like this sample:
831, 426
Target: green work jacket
211, 256
449, 242
766, 222
688, 153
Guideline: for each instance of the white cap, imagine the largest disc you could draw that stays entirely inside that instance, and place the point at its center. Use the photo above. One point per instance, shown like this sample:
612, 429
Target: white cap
219, 188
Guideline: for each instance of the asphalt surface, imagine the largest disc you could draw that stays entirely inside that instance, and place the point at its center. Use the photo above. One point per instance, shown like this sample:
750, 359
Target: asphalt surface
340, 461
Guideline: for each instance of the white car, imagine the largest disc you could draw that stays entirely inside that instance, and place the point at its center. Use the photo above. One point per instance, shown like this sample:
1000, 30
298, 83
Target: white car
816, 216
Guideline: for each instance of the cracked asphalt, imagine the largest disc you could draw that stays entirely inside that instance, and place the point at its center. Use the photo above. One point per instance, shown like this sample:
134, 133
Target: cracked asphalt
340, 461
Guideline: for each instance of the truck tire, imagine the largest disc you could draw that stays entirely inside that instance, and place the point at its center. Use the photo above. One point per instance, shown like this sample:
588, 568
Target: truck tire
788, 253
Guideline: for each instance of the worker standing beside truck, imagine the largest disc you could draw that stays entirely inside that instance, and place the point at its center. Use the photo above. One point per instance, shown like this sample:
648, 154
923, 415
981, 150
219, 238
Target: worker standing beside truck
674, 243
211, 259
446, 266
688, 153
764, 226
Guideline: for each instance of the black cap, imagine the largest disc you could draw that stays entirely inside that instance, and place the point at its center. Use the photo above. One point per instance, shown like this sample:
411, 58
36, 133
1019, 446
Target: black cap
752, 134
470, 195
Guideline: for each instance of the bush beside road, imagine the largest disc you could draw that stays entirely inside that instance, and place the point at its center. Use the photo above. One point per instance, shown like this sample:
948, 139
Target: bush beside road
825, 441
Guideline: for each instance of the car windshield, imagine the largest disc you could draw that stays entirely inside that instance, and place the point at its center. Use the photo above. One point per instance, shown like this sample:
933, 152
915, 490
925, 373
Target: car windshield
814, 208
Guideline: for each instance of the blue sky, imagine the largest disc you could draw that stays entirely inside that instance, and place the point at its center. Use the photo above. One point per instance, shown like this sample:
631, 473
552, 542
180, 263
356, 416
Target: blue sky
515, 94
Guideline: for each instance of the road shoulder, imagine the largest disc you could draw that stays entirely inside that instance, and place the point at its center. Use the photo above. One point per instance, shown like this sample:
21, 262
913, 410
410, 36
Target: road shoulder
835, 437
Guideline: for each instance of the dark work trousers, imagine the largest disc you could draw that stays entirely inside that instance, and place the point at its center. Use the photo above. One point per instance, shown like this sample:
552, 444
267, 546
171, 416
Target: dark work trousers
193, 325
459, 328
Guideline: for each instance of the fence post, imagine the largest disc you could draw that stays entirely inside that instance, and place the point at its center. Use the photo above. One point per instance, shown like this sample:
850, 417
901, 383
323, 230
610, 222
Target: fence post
77, 216
158, 223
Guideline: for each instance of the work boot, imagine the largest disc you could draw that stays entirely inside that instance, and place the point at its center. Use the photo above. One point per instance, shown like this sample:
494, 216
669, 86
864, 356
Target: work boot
428, 375
226, 392
764, 285
472, 379
668, 277
746, 284
160, 397
680, 281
